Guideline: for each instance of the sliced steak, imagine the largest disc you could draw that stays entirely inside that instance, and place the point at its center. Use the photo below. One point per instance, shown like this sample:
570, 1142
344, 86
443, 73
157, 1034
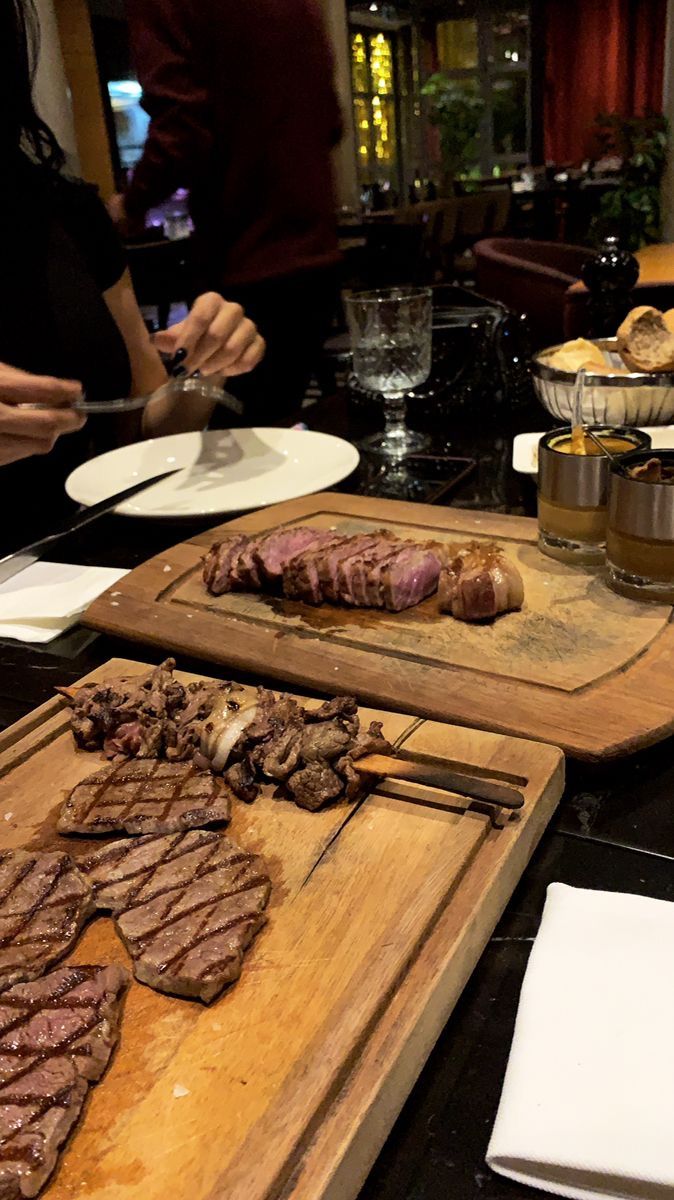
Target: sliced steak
332, 559
146, 796
301, 579
274, 551
56, 1038
186, 906
217, 571
244, 573
44, 902
408, 578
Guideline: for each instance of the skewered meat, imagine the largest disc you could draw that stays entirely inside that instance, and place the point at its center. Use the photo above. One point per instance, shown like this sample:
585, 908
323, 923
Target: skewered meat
186, 905
44, 902
56, 1038
284, 740
250, 742
375, 570
148, 716
480, 583
146, 796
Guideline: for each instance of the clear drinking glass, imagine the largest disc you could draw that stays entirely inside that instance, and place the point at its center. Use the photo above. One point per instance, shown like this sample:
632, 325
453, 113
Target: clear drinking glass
391, 344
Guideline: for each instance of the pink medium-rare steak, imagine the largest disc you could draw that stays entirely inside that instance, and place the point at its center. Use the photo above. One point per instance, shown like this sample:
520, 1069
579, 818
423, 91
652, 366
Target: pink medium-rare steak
276, 549
300, 576
146, 796
218, 563
368, 570
44, 902
186, 906
56, 1038
333, 561
408, 578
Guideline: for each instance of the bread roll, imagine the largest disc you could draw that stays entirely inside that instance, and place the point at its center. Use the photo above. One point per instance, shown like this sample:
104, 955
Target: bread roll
668, 318
576, 355
645, 342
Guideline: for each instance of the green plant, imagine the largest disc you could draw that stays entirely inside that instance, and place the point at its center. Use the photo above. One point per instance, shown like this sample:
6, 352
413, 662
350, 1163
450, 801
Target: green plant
456, 109
631, 210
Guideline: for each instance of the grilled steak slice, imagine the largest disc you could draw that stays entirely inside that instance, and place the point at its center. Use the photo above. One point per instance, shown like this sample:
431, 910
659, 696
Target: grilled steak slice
301, 579
146, 796
244, 573
217, 572
56, 1037
332, 559
408, 578
480, 583
273, 551
44, 902
186, 906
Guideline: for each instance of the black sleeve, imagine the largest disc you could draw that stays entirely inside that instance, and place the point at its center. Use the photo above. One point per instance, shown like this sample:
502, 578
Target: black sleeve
86, 220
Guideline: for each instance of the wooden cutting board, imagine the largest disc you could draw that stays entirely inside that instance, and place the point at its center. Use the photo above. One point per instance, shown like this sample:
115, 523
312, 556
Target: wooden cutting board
288, 1084
579, 667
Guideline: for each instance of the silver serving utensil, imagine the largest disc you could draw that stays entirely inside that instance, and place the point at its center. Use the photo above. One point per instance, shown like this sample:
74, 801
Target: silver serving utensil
593, 437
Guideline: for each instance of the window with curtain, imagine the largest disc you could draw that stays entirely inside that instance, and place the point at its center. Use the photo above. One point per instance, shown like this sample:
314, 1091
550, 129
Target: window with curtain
375, 105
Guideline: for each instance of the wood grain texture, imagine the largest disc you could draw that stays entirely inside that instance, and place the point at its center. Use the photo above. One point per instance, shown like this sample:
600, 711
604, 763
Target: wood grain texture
579, 667
278, 1074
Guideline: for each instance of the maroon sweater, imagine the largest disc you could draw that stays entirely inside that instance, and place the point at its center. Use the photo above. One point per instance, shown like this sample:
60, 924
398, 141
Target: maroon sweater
244, 114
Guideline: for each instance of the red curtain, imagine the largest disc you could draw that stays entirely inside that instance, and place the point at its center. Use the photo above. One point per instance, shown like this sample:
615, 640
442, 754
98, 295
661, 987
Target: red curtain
601, 56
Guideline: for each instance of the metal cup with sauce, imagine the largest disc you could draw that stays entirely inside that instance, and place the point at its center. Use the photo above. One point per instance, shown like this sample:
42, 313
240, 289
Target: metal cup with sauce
640, 535
573, 492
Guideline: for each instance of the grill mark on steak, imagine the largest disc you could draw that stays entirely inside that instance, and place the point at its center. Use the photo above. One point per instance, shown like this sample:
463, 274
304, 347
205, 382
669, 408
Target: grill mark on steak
44, 902
56, 1038
115, 798
186, 906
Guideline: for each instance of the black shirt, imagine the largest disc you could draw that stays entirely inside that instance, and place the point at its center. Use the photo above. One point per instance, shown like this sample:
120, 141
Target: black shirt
59, 253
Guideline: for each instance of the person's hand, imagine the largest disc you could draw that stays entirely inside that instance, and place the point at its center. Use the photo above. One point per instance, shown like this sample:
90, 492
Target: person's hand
216, 338
26, 431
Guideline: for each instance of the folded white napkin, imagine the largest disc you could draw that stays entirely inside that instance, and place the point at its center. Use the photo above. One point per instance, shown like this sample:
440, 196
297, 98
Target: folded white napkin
47, 598
587, 1108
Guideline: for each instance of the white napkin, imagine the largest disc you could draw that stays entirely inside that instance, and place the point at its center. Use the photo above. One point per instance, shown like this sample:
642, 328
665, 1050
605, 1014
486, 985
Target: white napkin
587, 1108
46, 598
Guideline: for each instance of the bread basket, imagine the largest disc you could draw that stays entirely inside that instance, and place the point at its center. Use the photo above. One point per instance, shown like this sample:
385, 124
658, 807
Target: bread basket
636, 399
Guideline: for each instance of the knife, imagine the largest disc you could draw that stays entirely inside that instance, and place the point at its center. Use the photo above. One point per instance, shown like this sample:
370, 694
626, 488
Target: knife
11, 564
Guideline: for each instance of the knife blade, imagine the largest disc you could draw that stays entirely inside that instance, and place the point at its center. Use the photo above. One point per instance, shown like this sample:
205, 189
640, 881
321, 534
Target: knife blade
24, 557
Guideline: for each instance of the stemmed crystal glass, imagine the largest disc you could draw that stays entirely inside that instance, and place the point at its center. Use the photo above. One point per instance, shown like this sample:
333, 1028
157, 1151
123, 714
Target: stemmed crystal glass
391, 332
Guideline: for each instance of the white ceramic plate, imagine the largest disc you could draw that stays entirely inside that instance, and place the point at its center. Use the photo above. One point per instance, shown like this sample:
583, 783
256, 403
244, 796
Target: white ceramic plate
525, 447
225, 471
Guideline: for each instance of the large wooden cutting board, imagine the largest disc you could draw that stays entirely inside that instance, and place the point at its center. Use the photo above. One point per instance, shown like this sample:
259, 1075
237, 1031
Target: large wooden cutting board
288, 1084
579, 667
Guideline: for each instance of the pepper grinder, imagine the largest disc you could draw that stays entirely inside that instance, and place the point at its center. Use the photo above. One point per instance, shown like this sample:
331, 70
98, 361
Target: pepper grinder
609, 276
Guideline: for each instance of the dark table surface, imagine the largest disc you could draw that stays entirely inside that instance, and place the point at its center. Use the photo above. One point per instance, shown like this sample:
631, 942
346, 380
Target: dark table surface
614, 829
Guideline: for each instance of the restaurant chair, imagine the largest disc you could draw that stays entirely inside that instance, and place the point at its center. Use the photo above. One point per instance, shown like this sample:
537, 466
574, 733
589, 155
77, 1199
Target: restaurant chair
531, 277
